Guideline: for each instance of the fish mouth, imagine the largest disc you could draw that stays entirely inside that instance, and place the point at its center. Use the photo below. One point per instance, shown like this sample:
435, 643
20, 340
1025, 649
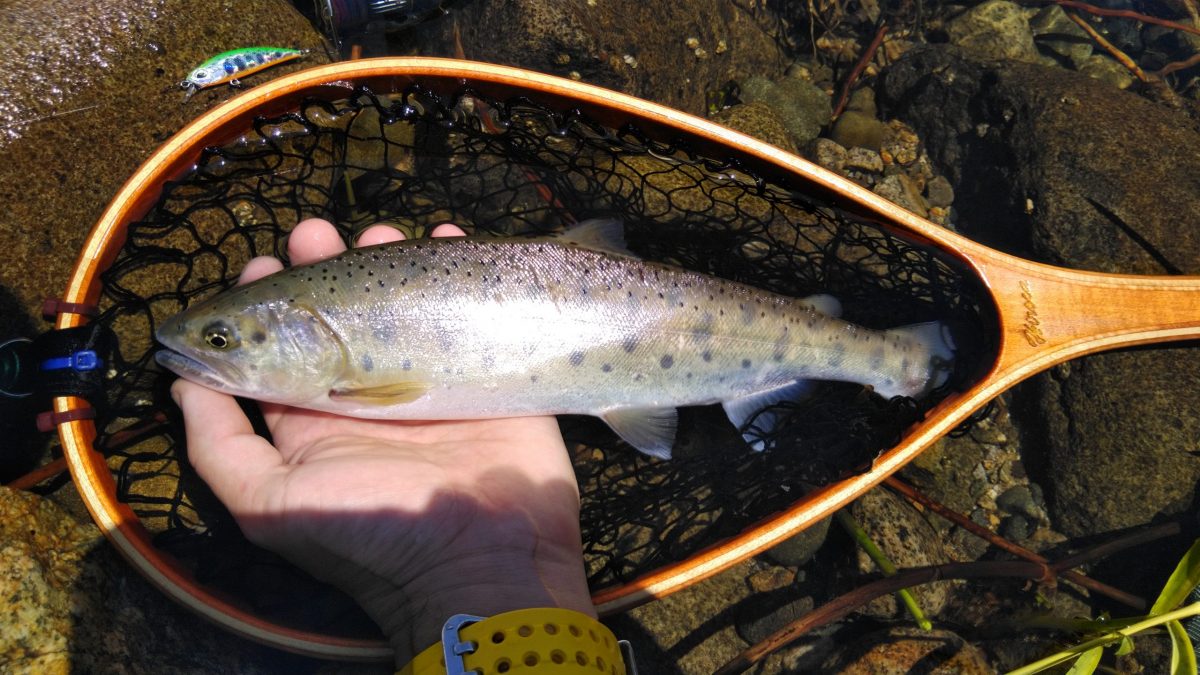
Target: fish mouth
195, 370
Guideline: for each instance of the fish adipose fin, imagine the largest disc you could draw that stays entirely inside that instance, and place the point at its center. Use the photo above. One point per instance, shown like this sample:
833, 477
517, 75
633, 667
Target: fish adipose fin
600, 234
381, 395
825, 304
651, 430
762, 422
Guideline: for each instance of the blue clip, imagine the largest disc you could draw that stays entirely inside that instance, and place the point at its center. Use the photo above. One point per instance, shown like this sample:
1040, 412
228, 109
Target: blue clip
81, 362
453, 648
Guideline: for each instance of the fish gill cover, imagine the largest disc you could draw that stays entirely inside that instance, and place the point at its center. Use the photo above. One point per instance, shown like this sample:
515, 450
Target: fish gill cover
415, 159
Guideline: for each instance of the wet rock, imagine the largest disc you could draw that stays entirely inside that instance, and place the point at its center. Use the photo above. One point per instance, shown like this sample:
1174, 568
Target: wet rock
904, 649
758, 120
1059, 35
1015, 528
1108, 71
798, 549
908, 540
862, 159
854, 129
828, 154
804, 108
1032, 180
73, 606
997, 29
901, 145
772, 578
939, 192
1018, 500
76, 80
900, 190
863, 101
607, 43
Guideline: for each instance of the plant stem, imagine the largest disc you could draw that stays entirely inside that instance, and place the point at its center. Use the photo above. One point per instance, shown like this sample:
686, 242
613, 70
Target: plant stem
1108, 638
885, 565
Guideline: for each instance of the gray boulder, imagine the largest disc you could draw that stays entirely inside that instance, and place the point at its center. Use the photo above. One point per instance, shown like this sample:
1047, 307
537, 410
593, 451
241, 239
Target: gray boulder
1110, 436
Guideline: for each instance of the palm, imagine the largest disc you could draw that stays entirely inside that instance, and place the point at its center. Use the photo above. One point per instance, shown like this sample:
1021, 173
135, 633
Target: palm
389, 510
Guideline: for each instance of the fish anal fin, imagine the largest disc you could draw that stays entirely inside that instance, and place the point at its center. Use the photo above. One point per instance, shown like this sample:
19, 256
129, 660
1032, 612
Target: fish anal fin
650, 430
393, 393
600, 234
753, 409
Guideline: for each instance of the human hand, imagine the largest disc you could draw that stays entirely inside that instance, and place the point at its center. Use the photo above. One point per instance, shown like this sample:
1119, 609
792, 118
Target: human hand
415, 520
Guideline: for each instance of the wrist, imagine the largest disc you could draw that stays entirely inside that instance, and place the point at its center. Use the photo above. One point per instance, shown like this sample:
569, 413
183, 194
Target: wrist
483, 588
521, 639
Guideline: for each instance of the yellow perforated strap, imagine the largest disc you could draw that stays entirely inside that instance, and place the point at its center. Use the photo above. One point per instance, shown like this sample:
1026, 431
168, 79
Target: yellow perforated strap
540, 640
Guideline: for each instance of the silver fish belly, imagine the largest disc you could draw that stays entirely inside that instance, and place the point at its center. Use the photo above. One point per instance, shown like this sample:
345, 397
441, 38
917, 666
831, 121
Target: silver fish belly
461, 328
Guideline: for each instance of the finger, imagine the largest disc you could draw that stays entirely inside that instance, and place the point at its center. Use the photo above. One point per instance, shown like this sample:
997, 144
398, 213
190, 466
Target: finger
379, 234
312, 240
223, 447
448, 230
258, 268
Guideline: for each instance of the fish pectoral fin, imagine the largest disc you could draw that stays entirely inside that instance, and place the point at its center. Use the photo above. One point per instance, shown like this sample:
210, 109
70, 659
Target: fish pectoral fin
651, 430
600, 234
754, 409
381, 395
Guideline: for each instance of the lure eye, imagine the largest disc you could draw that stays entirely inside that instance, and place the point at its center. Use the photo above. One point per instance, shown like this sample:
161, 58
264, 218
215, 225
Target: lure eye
218, 336
200, 75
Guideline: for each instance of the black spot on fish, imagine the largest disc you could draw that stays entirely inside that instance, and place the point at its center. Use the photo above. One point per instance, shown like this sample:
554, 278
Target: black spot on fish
707, 356
367, 363
606, 368
259, 337
666, 361
406, 364
533, 379
576, 358
777, 357
629, 344
745, 363
332, 290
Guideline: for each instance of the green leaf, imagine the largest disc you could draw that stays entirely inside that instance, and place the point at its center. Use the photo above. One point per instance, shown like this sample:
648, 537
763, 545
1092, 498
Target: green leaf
1185, 577
1126, 646
1183, 655
1087, 662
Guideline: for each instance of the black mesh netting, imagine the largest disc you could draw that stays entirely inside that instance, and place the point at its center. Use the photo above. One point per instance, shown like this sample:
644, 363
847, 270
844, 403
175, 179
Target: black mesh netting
415, 160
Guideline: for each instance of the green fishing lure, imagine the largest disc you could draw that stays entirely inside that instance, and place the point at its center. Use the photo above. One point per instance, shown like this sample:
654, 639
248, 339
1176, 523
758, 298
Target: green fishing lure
231, 65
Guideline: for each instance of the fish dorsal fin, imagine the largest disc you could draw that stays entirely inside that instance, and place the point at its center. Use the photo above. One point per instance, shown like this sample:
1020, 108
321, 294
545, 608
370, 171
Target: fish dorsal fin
651, 430
600, 234
751, 409
825, 304
394, 393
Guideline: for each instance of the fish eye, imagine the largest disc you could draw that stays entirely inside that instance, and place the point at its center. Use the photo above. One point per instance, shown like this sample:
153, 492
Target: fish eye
218, 336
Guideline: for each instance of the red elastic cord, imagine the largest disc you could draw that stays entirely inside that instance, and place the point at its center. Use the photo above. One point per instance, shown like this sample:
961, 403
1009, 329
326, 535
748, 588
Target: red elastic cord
52, 307
50, 419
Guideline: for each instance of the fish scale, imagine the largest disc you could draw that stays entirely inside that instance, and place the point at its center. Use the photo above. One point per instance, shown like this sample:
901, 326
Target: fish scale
458, 328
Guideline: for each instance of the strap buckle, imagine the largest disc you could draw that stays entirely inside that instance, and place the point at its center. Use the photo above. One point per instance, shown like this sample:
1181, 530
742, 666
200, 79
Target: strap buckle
453, 648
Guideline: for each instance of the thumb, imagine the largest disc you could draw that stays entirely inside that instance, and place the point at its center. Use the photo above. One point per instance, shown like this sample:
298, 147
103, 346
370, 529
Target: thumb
223, 448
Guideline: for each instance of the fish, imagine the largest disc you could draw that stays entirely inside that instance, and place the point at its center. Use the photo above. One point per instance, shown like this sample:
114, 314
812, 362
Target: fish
236, 63
490, 327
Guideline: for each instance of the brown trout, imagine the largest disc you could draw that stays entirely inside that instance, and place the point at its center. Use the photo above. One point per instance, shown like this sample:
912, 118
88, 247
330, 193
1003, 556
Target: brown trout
464, 328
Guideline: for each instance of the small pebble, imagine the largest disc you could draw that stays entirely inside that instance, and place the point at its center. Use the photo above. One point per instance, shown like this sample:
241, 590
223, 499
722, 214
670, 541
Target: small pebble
863, 159
938, 192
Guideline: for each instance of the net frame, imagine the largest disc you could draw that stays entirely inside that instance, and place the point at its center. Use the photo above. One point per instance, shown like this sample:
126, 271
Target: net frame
225, 122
